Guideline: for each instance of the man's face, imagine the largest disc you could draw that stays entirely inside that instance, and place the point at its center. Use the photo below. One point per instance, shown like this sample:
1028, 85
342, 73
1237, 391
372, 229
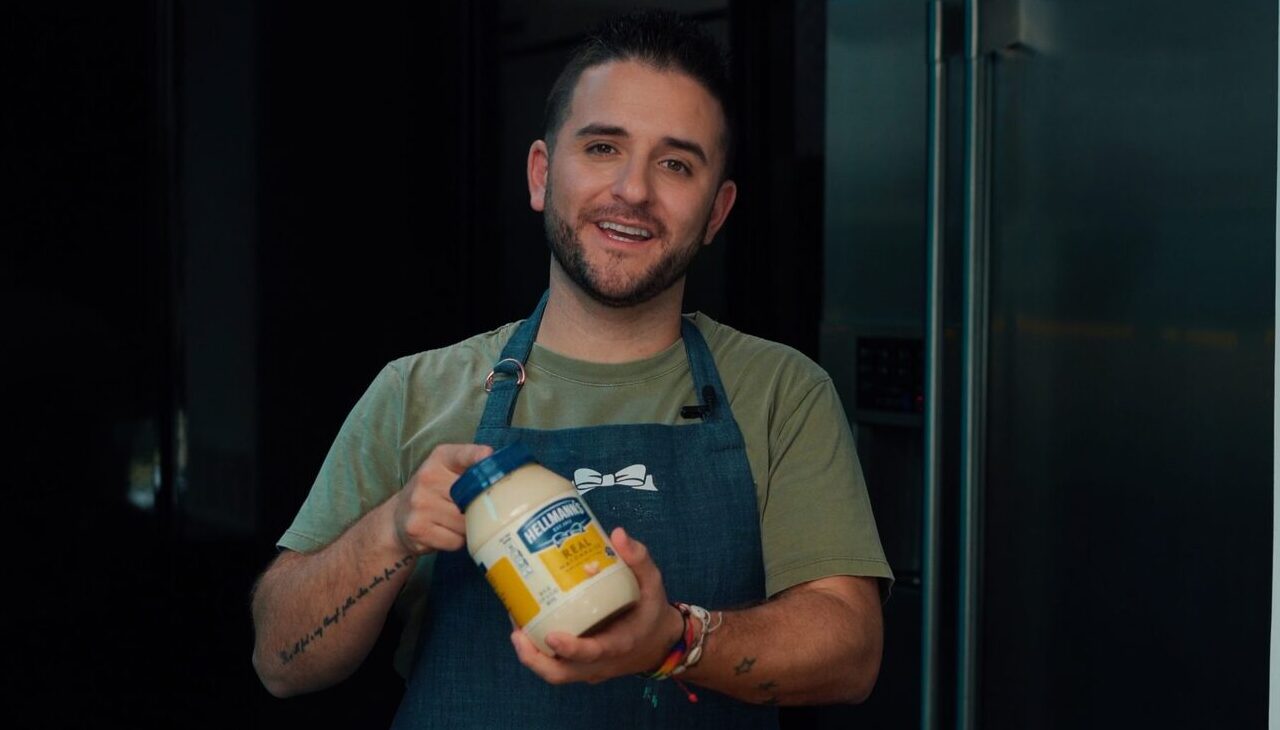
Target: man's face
633, 190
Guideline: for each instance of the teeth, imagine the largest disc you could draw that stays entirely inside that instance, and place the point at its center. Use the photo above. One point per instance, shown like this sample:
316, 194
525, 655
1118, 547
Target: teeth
639, 232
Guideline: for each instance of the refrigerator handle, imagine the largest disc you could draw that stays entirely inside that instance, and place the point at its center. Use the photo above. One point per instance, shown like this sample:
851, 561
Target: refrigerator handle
977, 162
930, 552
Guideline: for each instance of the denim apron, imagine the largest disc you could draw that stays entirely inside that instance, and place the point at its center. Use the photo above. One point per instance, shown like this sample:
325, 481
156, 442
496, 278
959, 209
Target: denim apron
695, 509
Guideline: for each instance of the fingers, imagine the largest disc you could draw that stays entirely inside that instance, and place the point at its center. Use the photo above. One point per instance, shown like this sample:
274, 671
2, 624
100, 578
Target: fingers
456, 458
578, 663
426, 518
577, 649
548, 668
579, 659
440, 537
445, 513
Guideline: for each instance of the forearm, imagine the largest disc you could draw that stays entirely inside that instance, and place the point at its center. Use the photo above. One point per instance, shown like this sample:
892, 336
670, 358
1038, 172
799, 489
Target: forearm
815, 644
316, 616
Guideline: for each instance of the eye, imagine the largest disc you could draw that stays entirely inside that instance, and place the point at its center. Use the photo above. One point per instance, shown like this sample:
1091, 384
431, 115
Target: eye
677, 166
600, 148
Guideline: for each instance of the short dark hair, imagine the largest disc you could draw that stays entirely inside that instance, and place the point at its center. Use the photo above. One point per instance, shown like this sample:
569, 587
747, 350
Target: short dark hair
660, 39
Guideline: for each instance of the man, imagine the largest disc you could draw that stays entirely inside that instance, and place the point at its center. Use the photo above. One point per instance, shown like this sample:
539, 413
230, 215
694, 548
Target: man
757, 509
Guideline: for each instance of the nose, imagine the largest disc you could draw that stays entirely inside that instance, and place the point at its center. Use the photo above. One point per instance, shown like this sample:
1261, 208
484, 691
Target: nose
632, 184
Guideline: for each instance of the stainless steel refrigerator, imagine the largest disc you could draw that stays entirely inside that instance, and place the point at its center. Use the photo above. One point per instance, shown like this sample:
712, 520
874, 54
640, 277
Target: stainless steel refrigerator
1049, 306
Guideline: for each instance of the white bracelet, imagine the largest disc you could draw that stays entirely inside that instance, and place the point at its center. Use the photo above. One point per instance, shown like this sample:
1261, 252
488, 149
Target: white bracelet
694, 654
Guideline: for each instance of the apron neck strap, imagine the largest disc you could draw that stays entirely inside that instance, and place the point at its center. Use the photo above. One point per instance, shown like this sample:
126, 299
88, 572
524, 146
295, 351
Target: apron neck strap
508, 377
521, 343
713, 402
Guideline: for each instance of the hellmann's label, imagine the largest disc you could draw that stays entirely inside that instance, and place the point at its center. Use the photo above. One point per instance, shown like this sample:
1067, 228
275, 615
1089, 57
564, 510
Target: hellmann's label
554, 524
538, 563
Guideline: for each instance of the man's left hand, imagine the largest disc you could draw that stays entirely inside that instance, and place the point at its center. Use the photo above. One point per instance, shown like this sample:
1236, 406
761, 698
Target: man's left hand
637, 641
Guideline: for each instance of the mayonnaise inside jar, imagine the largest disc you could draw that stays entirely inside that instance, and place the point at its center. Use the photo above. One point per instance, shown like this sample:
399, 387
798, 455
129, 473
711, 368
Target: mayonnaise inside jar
540, 547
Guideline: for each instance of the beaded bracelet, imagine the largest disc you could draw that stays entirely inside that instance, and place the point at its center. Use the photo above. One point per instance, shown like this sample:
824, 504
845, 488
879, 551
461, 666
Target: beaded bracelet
675, 657
694, 654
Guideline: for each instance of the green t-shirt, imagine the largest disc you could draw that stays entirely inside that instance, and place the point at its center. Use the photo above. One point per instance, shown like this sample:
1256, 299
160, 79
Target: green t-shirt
815, 517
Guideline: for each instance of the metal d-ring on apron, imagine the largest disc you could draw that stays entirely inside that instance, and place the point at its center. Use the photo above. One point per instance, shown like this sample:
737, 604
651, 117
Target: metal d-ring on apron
699, 520
519, 368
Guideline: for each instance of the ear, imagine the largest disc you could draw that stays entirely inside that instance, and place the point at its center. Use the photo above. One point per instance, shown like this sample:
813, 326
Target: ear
536, 171
720, 208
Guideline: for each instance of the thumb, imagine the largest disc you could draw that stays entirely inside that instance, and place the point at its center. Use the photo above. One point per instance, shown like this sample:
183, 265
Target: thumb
636, 556
633, 552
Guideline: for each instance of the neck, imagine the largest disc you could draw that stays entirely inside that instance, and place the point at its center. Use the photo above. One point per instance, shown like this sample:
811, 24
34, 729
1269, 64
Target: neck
577, 326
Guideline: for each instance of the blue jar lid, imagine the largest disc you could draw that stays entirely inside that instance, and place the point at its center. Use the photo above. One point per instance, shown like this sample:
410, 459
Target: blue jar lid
485, 472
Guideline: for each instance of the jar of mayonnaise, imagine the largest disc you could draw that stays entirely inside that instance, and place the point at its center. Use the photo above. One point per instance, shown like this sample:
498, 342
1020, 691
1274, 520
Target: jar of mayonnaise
540, 547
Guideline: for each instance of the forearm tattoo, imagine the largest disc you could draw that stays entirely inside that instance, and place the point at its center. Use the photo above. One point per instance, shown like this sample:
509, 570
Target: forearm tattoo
339, 612
770, 690
769, 687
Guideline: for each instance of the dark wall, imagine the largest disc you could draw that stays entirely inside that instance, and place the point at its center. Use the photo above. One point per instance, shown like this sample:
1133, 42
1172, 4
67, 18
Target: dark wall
362, 255
79, 270
82, 268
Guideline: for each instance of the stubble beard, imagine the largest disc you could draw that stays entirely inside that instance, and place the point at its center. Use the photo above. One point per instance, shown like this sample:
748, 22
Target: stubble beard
570, 254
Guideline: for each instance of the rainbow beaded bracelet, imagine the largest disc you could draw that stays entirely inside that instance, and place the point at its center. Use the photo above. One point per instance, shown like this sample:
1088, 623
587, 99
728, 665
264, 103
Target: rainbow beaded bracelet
675, 657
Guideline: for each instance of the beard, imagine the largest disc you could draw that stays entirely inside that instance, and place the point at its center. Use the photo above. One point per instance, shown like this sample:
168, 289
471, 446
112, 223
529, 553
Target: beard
618, 290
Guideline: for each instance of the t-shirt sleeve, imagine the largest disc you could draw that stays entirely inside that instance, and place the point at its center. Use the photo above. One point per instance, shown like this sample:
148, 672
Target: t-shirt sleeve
361, 469
817, 518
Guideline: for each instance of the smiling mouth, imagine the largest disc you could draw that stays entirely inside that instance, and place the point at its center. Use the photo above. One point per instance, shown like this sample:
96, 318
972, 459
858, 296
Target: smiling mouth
621, 232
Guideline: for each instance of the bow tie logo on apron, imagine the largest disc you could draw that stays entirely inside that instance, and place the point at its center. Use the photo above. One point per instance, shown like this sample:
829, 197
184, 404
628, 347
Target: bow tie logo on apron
634, 476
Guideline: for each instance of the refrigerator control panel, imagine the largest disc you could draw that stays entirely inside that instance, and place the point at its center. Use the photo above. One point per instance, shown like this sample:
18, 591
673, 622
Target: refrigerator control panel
890, 374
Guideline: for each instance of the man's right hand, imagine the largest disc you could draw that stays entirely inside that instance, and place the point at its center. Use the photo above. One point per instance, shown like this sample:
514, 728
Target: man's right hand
426, 519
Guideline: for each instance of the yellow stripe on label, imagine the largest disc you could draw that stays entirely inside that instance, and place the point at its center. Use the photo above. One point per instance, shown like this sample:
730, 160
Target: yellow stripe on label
515, 596
578, 559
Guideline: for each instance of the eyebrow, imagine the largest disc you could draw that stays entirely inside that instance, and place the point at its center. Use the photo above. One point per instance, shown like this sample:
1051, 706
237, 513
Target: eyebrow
609, 130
